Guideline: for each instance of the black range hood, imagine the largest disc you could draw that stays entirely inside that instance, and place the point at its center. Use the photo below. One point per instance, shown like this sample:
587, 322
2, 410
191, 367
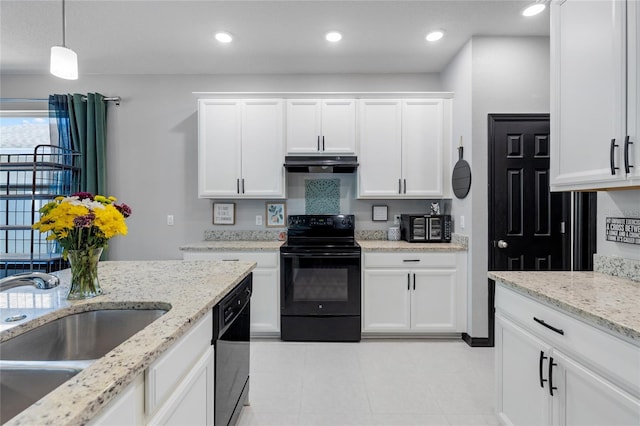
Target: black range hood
321, 164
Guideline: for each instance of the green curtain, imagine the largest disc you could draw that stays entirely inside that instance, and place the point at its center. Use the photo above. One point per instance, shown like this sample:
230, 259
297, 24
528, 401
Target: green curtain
88, 126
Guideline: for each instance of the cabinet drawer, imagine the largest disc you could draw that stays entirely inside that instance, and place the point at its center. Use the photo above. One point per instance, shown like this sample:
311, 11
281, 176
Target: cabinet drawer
168, 370
264, 260
601, 351
409, 260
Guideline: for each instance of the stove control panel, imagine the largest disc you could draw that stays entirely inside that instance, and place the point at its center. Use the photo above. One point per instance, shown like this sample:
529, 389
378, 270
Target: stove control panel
341, 221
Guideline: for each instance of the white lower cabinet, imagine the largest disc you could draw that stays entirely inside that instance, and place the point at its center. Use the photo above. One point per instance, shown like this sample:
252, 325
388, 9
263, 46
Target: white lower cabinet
265, 299
192, 401
429, 296
126, 409
574, 375
176, 389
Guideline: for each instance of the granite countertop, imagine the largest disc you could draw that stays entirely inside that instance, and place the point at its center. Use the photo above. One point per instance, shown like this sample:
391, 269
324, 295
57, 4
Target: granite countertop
189, 288
607, 301
403, 246
229, 245
367, 246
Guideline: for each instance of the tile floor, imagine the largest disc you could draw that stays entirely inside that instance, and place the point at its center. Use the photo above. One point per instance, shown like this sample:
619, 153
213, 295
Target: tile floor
374, 382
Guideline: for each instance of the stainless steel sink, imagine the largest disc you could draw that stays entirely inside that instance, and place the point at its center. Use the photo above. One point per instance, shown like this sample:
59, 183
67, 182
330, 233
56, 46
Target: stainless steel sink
36, 362
21, 387
82, 336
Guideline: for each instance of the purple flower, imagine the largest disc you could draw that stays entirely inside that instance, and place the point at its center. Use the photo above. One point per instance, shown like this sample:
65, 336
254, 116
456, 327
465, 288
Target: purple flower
83, 195
84, 221
124, 209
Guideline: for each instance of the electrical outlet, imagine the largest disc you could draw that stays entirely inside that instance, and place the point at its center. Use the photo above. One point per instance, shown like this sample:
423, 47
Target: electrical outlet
396, 219
461, 222
259, 220
170, 220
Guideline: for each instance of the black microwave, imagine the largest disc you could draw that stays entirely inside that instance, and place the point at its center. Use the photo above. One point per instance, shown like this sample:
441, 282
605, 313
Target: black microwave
425, 228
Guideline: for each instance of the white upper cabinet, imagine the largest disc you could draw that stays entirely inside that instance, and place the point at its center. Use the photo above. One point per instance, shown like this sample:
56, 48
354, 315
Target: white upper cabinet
380, 169
321, 126
594, 94
240, 148
633, 93
404, 148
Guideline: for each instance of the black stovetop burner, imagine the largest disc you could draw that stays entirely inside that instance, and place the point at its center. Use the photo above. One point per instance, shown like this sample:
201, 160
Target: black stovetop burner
321, 231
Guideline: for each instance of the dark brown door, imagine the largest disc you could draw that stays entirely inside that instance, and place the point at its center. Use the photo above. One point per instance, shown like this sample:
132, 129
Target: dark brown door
529, 226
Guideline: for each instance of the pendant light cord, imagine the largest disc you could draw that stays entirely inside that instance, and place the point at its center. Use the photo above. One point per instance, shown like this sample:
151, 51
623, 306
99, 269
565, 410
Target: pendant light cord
64, 26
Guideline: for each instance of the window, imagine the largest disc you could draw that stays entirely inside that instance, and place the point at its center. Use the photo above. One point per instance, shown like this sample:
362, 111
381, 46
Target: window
21, 131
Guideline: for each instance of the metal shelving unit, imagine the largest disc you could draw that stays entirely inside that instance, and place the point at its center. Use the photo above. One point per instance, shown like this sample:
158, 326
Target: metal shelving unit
28, 182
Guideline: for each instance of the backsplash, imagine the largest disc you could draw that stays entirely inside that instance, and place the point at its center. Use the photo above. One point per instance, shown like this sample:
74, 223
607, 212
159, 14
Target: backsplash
322, 196
214, 235
617, 266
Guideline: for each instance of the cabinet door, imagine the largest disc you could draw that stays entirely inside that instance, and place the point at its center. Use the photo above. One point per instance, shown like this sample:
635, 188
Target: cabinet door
303, 126
386, 305
126, 409
219, 159
584, 398
338, 126
262, 149
633, 91
433, 300
265, 302
192, 401
521, 366
423, 158
380, 170
588, 85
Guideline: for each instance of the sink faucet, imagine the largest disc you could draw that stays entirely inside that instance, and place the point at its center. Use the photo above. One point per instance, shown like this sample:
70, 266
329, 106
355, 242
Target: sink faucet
38, 279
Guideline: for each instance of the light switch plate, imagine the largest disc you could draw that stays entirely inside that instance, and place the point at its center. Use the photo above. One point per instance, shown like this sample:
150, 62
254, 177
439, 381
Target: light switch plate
396, 219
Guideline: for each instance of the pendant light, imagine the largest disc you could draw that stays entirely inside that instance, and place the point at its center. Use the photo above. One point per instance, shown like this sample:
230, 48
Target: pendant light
64, 61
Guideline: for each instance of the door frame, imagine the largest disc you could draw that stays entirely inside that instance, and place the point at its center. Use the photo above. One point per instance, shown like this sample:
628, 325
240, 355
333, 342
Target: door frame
566, 201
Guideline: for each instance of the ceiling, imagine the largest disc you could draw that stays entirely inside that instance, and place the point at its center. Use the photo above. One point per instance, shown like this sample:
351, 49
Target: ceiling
176, 37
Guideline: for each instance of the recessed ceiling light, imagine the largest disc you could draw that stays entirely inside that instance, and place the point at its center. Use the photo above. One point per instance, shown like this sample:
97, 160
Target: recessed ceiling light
333, 36
224, 37
534, 9
435, 35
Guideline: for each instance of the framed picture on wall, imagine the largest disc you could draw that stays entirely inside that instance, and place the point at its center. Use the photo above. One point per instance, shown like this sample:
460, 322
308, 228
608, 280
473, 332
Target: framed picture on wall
379, 213
276, 214
224, 213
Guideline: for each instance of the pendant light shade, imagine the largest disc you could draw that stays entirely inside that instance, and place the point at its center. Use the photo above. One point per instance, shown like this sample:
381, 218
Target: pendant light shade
64, 61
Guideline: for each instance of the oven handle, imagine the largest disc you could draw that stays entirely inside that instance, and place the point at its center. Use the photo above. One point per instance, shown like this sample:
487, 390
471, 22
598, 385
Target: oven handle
322, 254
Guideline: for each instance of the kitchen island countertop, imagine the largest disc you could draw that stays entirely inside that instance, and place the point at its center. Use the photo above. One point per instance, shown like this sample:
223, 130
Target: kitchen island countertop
189, 288
603, 300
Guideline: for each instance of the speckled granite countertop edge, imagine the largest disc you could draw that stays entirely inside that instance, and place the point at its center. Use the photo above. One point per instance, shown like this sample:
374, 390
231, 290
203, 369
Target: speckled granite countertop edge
603, 300
367, 246
191, 288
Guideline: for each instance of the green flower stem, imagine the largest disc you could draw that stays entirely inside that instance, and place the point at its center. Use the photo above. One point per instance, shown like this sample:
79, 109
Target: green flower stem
84, 273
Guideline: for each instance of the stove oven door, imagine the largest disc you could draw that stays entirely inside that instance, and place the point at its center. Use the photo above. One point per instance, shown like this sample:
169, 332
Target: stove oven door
318, 283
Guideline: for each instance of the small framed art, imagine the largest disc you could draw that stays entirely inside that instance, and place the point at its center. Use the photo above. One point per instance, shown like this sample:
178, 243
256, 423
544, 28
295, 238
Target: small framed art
379, 213
276, 214
224, 213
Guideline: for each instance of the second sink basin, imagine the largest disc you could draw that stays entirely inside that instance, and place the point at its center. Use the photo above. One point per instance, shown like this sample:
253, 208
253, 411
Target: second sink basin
83, 336
21, 387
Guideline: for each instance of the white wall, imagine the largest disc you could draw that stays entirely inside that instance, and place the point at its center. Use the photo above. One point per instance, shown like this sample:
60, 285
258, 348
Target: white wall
457, 78
617, 204
508, 75
152, 144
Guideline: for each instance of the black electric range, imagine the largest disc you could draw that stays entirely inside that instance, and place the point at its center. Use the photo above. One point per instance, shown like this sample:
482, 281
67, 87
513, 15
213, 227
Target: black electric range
320, 284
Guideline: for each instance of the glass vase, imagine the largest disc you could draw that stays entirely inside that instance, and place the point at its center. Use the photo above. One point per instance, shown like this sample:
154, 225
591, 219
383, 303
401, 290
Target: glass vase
84, 273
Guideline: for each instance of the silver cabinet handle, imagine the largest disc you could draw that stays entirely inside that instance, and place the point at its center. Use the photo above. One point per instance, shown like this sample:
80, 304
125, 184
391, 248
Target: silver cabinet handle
503, 244
231, 260
399, 186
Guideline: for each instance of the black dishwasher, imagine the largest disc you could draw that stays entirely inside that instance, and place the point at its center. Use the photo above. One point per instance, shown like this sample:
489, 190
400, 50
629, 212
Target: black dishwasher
231, 320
